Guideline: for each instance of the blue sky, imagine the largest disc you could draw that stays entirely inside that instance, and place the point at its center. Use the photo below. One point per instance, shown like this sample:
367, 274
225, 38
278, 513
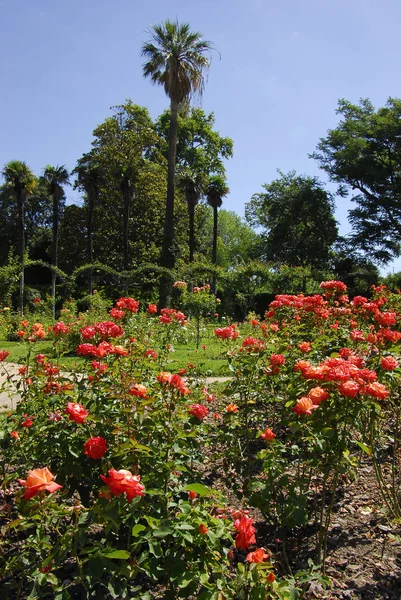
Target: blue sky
284, 64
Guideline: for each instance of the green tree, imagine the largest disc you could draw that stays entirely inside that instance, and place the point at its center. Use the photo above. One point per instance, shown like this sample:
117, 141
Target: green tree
119, 147
363, 154
297, 221
56, 178
176, 58
21, 181
353, 268
125, 207
200, 148
237, 242
73, 238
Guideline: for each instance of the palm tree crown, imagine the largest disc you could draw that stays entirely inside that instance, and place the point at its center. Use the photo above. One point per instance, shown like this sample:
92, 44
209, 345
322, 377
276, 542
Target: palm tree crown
216, 190
177, 58
19, 177
56, 177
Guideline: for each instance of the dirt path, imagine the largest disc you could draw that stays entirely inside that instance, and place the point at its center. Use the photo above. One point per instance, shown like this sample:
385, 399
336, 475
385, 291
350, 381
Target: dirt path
8, 399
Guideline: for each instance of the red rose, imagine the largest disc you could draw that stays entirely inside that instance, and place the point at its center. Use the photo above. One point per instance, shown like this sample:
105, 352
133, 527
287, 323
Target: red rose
122, 481
246, 533
389, 363
95, 447
198, 410
203, 529
268, 435
76, 412
349, 388
377, 390
277, 360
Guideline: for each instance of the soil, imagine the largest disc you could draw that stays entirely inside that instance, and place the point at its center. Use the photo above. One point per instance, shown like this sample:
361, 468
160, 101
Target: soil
363, 547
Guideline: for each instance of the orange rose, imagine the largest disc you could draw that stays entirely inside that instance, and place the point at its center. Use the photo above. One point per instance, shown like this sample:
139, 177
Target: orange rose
37, 481
257, 556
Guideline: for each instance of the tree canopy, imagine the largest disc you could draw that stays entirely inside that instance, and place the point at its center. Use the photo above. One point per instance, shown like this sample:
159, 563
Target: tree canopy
200, 148
295, 214
363, 155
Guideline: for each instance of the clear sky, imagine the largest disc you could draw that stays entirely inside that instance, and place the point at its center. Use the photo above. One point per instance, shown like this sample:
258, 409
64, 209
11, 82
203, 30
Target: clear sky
284, 64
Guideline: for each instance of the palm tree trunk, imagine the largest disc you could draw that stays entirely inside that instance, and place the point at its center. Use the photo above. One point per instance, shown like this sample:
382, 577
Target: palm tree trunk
21, 231
191, 214
214, 251
89, 224
126, 207
54, 251
167, 258
128, 194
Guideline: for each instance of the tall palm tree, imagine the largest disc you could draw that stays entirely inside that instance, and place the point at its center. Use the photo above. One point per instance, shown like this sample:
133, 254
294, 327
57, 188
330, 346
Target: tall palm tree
216, 190
192, 184
21, 181
56, 178
176, 59
89, 178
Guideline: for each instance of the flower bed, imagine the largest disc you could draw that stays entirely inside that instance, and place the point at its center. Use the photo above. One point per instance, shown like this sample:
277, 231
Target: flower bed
105, 473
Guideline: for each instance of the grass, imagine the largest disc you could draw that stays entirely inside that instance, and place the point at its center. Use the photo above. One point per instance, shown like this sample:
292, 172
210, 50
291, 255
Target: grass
18, 351
210, 360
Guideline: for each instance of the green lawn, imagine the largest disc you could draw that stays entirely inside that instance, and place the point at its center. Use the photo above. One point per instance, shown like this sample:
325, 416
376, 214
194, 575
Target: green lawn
209, 360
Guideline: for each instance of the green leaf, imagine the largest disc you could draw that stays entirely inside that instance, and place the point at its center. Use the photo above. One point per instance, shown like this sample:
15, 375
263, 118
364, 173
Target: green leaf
199, 489
137, 529
185, 526
118, 554
364, 447
14, 523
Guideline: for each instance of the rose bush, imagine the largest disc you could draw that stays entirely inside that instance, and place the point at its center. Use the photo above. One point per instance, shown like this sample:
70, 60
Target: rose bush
128, 512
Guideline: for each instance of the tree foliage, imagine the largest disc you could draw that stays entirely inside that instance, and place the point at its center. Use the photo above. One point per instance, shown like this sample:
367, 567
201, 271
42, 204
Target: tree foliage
295, 214
127, 213
200, 148
363, 154
237, 242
